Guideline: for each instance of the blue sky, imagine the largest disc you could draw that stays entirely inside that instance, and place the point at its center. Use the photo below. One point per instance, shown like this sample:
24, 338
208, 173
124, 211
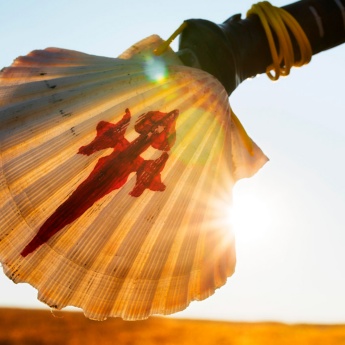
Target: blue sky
290, 240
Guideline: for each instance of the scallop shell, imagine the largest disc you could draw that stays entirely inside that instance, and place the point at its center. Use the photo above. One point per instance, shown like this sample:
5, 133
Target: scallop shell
116, 178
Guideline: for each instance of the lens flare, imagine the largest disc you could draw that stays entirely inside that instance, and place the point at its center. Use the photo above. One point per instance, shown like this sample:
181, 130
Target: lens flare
155, 68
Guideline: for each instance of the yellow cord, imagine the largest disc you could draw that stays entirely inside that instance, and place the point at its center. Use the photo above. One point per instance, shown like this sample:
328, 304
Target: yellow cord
164, 46
276, 20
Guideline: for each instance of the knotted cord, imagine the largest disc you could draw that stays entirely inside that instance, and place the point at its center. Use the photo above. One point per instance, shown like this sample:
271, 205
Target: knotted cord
276, 22
279, 25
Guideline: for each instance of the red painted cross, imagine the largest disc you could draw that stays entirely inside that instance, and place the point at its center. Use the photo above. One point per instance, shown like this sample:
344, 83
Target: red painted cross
111, 172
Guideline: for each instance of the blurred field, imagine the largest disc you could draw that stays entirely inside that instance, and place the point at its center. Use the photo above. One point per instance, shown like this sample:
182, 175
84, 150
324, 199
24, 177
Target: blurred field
71, 328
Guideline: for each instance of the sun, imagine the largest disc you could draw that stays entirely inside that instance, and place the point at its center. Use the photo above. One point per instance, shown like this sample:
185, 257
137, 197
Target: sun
251, 215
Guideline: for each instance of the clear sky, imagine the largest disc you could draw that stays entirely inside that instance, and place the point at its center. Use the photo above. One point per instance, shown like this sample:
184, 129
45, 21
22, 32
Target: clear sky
290, 223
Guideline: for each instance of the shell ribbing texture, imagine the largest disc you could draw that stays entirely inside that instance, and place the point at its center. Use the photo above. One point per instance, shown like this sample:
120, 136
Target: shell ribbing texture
134, 252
